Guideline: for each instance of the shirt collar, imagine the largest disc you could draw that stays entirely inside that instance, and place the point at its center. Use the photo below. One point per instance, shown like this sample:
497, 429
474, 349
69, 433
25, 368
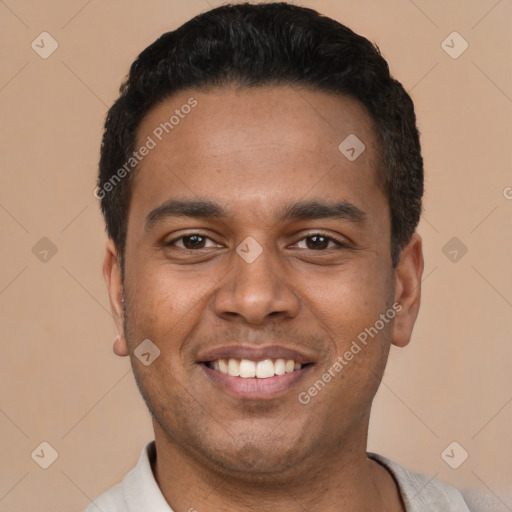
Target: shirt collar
140, 490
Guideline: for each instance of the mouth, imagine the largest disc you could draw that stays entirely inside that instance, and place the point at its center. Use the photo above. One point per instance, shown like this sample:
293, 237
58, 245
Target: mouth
255, 373
247, 369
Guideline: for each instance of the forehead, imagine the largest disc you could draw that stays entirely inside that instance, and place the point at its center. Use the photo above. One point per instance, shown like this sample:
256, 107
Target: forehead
231, 143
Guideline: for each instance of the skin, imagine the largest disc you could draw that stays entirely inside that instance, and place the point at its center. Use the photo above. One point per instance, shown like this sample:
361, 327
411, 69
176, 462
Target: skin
252, 151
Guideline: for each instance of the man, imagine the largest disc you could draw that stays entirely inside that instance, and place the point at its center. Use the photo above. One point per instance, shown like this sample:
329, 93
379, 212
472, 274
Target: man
261, 181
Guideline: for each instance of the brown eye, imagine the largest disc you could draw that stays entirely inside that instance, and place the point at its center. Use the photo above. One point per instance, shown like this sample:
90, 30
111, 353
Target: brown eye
318, 242
193, 241
190, 242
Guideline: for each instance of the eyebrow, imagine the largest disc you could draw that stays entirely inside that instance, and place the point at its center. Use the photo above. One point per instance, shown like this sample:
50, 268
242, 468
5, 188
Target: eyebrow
302, 210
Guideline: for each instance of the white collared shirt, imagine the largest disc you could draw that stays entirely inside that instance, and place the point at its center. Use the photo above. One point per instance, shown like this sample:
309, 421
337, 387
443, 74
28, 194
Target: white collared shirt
139, 492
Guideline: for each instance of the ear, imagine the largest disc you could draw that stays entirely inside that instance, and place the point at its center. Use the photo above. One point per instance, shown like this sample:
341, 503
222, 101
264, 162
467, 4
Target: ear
112, 275
408, 290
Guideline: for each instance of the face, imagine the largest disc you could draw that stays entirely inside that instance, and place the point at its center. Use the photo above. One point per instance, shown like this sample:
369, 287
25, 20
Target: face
252, 238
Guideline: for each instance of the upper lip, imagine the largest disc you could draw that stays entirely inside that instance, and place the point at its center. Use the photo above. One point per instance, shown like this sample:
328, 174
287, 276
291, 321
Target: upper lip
253, 353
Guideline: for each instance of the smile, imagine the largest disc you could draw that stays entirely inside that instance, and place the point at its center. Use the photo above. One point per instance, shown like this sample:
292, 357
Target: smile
247, 369
256, 372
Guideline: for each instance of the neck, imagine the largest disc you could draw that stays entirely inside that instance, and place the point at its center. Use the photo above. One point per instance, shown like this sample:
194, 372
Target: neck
343, 479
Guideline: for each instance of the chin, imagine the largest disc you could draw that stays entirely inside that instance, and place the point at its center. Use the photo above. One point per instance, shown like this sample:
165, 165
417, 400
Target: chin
256, 456
253, 464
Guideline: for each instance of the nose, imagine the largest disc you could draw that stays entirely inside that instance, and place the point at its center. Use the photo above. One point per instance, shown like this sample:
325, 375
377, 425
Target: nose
256, 291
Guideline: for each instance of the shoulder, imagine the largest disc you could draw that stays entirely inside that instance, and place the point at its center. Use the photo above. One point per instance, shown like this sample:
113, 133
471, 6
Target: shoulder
110, 501
420, 492
118, 497
138, 492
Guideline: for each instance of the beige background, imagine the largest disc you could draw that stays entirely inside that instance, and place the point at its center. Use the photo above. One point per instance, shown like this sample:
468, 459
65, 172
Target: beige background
60, 381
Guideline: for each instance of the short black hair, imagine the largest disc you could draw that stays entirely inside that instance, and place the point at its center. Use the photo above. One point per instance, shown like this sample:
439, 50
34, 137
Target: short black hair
252, 45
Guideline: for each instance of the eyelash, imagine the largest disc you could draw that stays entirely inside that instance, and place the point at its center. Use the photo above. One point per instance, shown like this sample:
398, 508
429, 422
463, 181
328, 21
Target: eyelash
339, 244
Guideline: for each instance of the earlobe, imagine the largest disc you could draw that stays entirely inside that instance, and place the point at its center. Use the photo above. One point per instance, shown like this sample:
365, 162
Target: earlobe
113, 280
408, 290
120, 347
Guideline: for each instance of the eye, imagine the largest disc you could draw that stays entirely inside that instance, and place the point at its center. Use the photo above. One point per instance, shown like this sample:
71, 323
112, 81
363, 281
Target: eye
190, 242
318, 242
314, 242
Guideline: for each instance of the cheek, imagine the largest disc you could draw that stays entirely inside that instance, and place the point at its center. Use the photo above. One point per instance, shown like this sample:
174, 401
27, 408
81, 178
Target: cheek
348, 300
349, 309
150, 283
164, 305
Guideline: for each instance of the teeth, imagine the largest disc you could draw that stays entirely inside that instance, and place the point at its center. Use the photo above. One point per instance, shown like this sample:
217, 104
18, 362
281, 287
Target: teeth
265, 369
248, 369
234, 367
223, 366
280, 367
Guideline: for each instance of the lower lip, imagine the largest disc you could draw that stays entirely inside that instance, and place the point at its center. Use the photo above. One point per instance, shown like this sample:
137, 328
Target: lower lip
254, 388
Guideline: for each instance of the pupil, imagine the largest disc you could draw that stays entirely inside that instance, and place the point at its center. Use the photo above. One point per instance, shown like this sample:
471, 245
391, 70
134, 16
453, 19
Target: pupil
316, 245
193, 241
